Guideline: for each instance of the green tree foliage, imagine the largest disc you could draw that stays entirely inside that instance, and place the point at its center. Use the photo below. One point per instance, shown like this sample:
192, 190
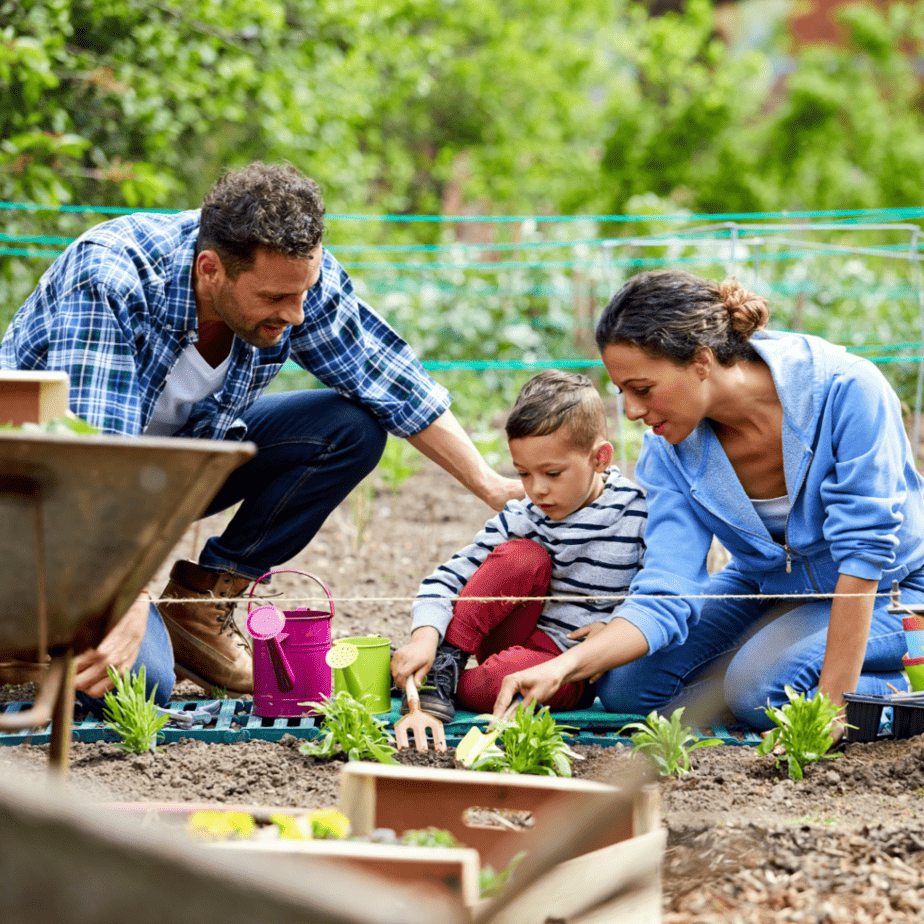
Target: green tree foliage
508, 107
713, 131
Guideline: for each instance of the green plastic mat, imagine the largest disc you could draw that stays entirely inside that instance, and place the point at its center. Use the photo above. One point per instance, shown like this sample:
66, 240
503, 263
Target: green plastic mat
235, 722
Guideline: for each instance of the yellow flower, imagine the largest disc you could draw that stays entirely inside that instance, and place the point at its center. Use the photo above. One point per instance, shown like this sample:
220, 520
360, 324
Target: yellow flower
329, 823
220, 826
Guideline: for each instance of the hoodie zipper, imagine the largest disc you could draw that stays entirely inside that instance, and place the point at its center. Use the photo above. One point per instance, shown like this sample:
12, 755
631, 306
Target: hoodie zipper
791, 551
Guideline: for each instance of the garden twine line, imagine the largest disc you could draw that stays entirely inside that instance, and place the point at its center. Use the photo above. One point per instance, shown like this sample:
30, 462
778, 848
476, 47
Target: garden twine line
595, 598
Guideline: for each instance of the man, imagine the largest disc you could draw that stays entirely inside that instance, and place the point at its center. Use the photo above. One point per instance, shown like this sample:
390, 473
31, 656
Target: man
174, 325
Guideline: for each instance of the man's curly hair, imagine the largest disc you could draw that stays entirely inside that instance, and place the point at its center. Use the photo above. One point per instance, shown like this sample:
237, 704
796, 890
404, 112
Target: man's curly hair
262, 205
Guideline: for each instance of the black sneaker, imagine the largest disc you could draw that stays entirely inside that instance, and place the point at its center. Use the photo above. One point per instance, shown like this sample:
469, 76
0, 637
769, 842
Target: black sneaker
442, 681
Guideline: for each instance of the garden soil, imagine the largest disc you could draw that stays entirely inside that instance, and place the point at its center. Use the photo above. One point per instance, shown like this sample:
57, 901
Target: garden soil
747, 845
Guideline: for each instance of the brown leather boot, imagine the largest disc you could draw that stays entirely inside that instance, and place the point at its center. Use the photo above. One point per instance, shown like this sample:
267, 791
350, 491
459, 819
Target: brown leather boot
208, 647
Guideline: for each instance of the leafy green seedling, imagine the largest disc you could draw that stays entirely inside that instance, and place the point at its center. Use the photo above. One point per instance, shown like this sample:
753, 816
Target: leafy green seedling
348, 727
429, 837
491, 883
68, 424
804, 731
530, 742
666, 743
133, 718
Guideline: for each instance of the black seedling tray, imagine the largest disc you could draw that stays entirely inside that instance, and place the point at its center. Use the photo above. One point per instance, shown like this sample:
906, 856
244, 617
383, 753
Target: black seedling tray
865, 713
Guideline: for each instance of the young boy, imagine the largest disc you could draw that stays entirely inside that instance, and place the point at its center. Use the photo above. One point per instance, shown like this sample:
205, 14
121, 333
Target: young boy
579, 532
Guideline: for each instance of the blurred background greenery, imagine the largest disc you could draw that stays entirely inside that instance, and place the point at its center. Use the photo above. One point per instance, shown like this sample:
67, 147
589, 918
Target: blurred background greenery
494, 170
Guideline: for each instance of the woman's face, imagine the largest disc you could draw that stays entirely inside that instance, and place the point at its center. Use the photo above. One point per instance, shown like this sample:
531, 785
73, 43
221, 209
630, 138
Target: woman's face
670, 399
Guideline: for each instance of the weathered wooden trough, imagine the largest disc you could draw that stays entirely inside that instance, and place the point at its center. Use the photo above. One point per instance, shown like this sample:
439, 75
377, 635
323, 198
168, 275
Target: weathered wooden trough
85, 522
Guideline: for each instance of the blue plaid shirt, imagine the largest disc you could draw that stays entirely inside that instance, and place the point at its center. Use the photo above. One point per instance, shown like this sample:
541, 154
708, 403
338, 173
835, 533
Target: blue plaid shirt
116, 310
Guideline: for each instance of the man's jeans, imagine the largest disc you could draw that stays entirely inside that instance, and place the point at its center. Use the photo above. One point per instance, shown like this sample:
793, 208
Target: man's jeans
314, 447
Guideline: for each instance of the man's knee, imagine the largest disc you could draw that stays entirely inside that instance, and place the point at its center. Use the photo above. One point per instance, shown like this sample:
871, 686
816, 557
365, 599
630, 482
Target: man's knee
363, 433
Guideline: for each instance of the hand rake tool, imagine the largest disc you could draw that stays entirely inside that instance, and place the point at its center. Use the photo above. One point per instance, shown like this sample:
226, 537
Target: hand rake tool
418, 722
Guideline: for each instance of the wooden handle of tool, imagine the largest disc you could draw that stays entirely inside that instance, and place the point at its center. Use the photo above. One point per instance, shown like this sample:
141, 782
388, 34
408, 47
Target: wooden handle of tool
413, 700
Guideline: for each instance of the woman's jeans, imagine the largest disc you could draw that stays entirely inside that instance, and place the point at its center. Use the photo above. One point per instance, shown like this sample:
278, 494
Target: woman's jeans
314, 447
762, 645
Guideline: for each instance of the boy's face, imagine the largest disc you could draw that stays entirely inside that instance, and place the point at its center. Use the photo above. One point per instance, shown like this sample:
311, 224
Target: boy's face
558, 477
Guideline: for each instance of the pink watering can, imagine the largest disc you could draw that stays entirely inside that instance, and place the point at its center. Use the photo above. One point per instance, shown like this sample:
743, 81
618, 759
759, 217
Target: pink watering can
289, 655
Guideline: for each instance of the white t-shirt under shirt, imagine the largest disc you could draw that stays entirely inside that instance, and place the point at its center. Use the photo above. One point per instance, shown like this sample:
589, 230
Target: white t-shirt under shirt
189, 381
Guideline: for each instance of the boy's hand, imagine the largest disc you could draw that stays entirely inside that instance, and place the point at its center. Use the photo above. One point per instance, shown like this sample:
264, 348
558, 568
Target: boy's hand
416, 658
587, 631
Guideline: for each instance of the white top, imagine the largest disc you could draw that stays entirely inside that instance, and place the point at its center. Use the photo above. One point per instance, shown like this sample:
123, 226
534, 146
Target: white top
774, 512
190, 380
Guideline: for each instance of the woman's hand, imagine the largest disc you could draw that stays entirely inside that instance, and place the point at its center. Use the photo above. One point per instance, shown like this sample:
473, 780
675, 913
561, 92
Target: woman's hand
119, 649
416, 658
534, 684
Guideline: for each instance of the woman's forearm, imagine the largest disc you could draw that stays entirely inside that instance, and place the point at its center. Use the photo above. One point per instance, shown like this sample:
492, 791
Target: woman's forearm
617, 643
848, 634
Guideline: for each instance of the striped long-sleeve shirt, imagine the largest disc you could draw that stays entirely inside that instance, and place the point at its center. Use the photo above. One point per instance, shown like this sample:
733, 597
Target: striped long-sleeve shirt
595, 550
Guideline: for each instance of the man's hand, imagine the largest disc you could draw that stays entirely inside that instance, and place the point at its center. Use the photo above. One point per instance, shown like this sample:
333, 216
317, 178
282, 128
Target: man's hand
446, 443
416, 658
119, 649
505, 489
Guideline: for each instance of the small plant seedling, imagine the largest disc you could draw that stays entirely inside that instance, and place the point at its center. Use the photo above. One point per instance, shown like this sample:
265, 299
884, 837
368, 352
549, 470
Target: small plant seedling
666, 743
348, 727
429, 837
68, 424
491, 883
133, 718
530, 742
804, 731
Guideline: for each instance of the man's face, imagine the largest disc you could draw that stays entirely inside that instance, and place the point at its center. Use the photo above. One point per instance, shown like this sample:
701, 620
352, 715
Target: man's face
263, 301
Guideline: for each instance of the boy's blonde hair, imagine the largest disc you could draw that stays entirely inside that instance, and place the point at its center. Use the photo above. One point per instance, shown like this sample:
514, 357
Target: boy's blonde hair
554, 399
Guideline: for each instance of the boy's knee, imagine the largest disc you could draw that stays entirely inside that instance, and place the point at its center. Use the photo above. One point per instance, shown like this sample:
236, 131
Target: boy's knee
523, 557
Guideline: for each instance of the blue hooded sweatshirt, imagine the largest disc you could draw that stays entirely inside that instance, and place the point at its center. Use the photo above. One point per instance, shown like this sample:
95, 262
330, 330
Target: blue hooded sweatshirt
857, 501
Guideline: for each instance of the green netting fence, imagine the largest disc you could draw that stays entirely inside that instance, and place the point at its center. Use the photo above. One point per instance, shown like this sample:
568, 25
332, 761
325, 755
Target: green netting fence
495, 295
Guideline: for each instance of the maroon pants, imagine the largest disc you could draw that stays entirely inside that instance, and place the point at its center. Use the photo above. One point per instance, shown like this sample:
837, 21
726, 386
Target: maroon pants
502, 634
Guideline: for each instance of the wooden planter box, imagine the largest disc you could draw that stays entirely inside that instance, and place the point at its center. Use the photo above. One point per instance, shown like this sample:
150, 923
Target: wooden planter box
593, 853
453, 871
32, 397
63, 859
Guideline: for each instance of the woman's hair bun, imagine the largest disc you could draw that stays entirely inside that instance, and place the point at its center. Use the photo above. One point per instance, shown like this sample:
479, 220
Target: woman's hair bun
747, 312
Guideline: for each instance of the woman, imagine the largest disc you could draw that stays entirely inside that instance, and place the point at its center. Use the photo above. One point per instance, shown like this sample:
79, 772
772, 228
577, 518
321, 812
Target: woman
792, 453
